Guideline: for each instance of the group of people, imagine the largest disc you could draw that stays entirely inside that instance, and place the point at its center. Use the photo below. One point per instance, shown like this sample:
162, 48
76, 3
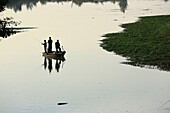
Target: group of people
50, 43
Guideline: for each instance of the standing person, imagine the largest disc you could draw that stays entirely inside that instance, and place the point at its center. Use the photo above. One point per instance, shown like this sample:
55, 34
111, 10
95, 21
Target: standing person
45, 46
57, 46
50, 41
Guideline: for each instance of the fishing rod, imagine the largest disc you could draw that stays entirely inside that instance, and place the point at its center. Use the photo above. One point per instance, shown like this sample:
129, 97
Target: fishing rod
38, 40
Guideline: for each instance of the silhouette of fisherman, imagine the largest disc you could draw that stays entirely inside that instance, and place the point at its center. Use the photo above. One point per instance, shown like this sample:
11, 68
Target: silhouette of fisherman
57, 46
45, 46
50, 45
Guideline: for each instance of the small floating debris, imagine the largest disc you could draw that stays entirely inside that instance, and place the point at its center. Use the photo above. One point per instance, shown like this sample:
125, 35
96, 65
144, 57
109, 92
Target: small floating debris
146, 9
165, 106
62, 103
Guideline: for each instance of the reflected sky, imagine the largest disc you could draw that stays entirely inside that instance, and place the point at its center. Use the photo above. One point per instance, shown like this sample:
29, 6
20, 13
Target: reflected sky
92, 80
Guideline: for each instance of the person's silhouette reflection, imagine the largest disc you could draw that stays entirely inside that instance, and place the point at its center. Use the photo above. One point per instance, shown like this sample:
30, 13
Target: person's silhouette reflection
57, 65
50, 67
45, 63
49, 62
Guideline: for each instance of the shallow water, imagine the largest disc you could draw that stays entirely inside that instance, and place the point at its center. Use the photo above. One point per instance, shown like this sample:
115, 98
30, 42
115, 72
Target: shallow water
91, 80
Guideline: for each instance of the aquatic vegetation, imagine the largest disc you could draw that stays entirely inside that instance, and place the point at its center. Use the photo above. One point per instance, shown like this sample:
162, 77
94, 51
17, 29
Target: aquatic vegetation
145, 42
9, 27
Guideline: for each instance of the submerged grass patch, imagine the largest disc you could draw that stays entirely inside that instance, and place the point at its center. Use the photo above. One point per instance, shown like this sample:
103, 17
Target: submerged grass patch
145, 42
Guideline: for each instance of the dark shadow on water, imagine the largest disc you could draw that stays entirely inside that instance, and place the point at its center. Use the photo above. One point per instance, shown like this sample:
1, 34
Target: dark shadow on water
8, 27
16, 5
48, 64
3, 3
50, 67
2, 8
163, 66
4, 33
57, 65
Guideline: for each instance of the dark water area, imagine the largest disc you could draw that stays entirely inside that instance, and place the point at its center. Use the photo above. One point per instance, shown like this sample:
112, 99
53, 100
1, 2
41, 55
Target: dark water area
17, 4
90, 80
30, 4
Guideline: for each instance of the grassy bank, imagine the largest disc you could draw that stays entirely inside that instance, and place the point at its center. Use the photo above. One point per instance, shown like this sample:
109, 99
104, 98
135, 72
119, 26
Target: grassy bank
145, 42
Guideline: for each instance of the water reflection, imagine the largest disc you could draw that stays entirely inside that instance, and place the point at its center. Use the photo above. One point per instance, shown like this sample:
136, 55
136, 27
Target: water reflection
17, 5
48, 63
7, 24
3, 4
45, 63
162, 66
8, 27
2, 8
57, 65
50, 67
123, 5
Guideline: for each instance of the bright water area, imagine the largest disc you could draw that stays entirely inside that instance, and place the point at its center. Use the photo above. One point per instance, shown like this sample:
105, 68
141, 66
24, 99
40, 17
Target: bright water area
91, 80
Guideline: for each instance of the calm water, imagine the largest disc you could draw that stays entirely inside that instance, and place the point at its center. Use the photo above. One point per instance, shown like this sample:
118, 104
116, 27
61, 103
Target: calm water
91, 80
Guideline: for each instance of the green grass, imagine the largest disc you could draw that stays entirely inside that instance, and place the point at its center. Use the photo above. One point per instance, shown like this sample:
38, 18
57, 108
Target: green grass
145, 42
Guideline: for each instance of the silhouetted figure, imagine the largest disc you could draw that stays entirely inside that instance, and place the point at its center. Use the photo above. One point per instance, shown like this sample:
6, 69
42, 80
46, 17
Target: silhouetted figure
45, 46
45, 63
50, 45
57, 46
50, 67
57, 65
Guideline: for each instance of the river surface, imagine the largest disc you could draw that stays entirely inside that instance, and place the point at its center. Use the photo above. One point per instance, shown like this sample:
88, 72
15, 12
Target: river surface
91, 80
